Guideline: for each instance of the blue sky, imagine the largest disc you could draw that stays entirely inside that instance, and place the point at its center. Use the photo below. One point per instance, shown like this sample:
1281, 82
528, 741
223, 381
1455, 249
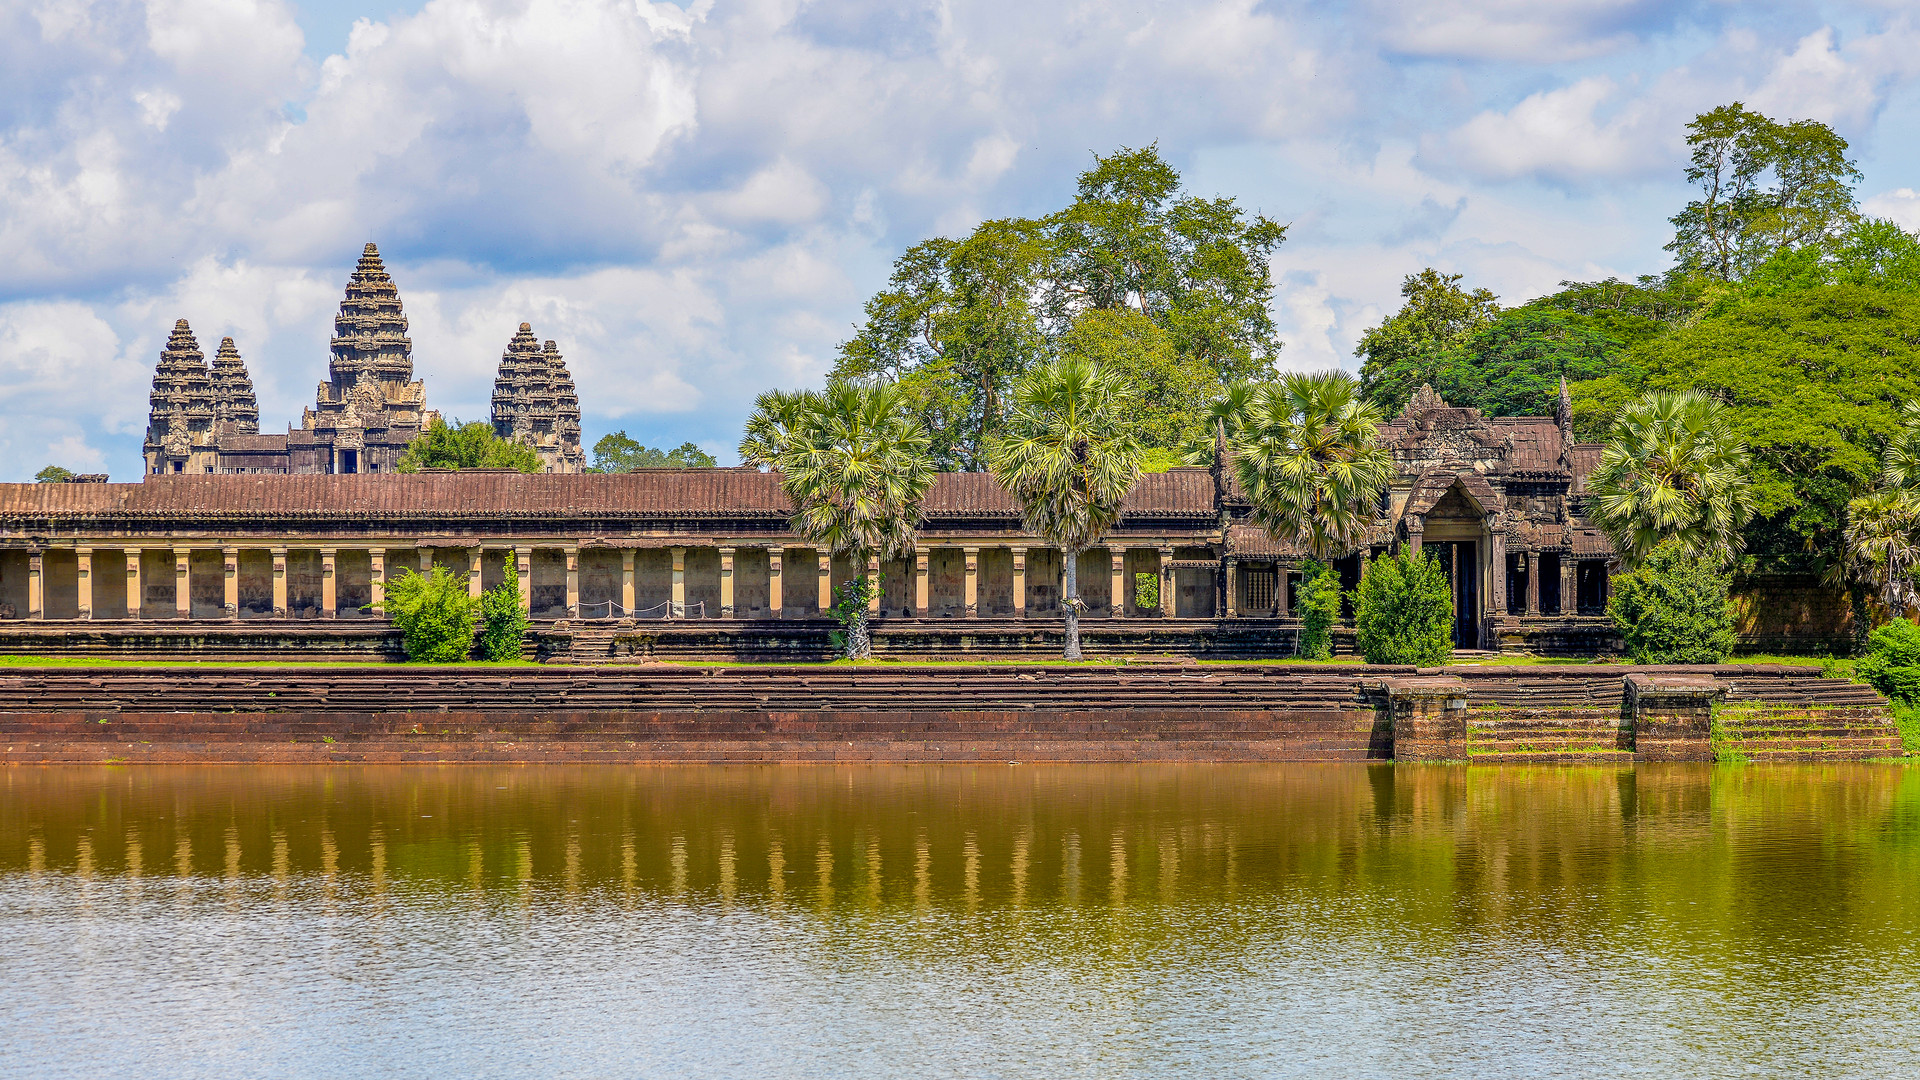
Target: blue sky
694, 200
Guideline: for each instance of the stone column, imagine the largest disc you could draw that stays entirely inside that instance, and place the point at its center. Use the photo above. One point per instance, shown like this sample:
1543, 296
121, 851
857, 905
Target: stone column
776, 599
1231, 607
182, 585
1167, 604
1283, 601
329, 584
426, 561
1416, 534
377, 578
726, 583
972, 591
36, 586
1499, 575
922, 593
1428, 716
873, 575
474, 588
280, 583
825, 560
83, 581
230, 567
678, 608
1672, 715
523, 569
626, 582
573, 580
1569, 584
1533, 583
1019, 583
1117, 566
134, 592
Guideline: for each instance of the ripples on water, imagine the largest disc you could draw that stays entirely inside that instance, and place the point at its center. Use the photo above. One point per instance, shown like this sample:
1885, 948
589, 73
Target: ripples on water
1135, 921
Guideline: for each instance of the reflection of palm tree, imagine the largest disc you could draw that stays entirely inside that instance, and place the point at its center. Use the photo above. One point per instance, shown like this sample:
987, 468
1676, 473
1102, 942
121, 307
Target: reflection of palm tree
1672, 469
854, 462
1310, 463
1067, 451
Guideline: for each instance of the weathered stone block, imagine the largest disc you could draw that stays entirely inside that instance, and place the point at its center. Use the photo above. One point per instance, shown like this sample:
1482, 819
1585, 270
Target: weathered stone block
1428, 715
1672, 715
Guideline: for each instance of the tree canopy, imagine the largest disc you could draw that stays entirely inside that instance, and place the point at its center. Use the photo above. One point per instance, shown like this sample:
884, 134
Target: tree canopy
616, 453
1134, 274
53, 474
471, 445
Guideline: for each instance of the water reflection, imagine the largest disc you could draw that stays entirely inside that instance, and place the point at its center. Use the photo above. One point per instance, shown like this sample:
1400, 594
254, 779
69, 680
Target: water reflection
1021, 921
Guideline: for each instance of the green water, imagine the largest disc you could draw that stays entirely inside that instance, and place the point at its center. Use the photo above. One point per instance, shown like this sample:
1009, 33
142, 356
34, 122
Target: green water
1097, 921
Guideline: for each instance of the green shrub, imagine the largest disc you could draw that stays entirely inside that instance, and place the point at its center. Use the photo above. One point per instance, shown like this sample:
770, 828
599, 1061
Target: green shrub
503, 622
1403, 610
1674, 609
1319, 607
1146, 592
1892, 663
435, 613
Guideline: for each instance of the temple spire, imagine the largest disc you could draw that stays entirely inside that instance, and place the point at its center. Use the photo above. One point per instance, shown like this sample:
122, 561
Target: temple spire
234, 407
180, 407
534, 402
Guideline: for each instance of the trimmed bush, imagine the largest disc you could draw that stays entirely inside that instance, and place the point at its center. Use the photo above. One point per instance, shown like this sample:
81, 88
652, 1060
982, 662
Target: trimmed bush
435, 612
503, 622
1319, 607
1674, 609
1892, 663
1403, 610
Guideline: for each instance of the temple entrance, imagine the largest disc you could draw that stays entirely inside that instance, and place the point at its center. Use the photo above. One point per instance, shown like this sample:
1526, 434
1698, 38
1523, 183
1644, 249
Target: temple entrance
1461, 562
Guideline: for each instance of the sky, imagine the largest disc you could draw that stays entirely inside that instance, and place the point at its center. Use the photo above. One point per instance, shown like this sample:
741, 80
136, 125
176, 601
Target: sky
695, 201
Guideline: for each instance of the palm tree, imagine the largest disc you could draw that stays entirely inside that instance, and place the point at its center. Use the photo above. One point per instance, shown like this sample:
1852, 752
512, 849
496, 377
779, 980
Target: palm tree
1672, 468
854, 462
771, 425
1310, 464
1225, 418
1883, 545
1900, 464
1883, 529
1067, 451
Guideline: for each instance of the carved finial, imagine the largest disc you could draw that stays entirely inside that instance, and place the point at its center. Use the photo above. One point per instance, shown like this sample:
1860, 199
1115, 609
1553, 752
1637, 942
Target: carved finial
526, 328
1424, 400
1563, 408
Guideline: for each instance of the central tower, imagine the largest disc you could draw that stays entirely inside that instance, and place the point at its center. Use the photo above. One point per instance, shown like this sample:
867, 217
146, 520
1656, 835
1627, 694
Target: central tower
370, 407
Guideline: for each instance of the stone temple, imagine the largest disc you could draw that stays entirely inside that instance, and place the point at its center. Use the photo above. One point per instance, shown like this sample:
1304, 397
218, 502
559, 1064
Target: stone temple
204, 419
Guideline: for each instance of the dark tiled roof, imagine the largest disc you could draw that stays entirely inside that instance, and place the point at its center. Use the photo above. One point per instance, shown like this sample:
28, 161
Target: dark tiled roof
1253, 542
1585, 458
1536, 442
654, 493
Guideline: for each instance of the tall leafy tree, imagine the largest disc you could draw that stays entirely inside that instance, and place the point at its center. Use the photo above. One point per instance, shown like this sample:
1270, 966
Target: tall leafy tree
960, 320
1423, 340
1310, 462
53, 474
1067, 451
1175, 391
854, 462
1673, 470
471, 445
1813, 381
1765, 187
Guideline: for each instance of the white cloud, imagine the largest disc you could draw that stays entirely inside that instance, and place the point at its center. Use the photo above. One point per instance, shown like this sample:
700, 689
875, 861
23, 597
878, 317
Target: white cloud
693, 199
1901, 204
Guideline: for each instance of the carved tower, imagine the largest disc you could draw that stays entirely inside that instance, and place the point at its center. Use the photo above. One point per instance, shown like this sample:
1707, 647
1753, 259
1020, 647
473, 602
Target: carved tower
534, 402
180, 417
370, 407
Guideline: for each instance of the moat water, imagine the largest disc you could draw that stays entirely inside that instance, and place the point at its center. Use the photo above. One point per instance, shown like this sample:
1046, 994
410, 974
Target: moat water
1029, 921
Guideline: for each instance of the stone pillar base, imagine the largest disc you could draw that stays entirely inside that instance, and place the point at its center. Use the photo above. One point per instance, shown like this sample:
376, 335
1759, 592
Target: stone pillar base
1672, 715
1428, 715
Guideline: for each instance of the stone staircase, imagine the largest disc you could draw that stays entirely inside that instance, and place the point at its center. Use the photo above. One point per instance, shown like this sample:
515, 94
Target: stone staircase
1563, 734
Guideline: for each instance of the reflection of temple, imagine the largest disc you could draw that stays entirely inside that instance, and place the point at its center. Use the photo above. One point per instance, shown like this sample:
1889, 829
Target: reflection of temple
205, 419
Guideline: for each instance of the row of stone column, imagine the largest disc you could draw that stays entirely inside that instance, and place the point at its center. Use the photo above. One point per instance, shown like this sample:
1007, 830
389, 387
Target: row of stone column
422, 557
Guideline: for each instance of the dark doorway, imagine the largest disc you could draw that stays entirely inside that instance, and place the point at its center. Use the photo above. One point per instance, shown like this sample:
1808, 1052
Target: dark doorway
1460, 560
349, 461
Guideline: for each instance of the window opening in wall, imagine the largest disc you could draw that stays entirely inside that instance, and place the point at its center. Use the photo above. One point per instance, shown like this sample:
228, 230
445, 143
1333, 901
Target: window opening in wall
349, 461
1263, 587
